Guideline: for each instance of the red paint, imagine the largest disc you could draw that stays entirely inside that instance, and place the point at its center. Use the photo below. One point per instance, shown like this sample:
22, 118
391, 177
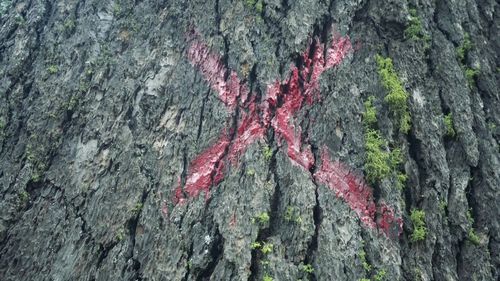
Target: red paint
206, 169
358, 195
281, 103
164, 208
232, 222
214, 71
388, 222
347, 186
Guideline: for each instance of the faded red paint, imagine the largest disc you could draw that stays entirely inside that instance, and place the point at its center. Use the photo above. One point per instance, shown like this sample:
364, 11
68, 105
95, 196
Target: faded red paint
232, 222
387, 220
347, 186
206, 169
282, 101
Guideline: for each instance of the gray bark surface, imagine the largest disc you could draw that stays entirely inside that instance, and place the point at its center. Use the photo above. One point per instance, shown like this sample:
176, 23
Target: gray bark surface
101, 113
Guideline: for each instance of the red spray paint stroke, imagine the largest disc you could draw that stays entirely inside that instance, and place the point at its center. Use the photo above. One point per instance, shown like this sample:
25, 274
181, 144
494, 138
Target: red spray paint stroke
207, 169
214, 71
347, 186
294, 96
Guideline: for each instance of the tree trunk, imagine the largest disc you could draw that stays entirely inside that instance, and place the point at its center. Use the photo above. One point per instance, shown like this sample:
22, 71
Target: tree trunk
249, 140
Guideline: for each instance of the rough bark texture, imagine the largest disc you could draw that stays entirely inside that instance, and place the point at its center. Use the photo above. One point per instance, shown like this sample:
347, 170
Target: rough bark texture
105, 109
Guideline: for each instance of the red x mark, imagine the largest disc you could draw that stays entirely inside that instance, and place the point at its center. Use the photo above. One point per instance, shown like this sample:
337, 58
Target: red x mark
282, 101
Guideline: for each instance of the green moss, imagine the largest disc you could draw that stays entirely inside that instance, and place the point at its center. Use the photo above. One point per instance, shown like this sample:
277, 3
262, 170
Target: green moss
473, 237
255, 245
364, 262
251, 172
401, 181
397, 97
464, 48
443, 205
370, 114
250, 3
120, 234
470, 75
52, 69
117, 10
265, 262
267, 152
137, 208
491, 125
69, 25
307, 268
380, 276
289, 213
266, 248
263, 218
469, 216
377, 160
448, 122
259, 6
267, 278
414, 29
419, 229
380, 162
24, 196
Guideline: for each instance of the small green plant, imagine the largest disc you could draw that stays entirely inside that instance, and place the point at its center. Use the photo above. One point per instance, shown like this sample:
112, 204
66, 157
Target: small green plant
255, 245
20, 20
262, 218
52, 69
289, 213
117, 9
83, 87
24, 196
89, 71
120, 234
448, 122
364, 279
69, 25
370, 114
419, 229
267, 277
464, 48
267, 152
258, 5
380, 276
443, 205
291, 216
397, 97
491, 125
364, 262
265, 262
473, 237
377, 160
470, 75
469, 216
307, 268
72, 103
401, 181
137, 208
251, 172
266, 248
414, 30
